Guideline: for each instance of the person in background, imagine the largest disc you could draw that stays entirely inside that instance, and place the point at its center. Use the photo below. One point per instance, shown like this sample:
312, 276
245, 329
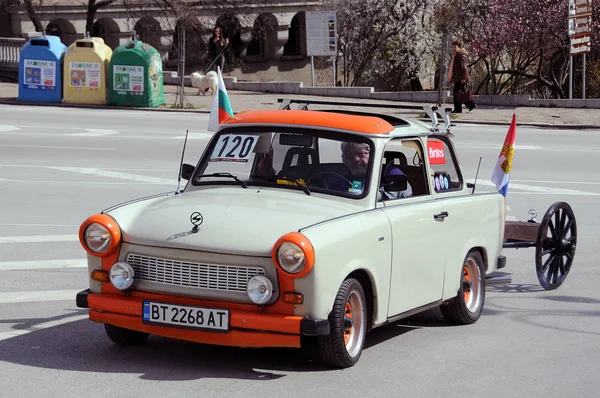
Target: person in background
216, 47
458, 73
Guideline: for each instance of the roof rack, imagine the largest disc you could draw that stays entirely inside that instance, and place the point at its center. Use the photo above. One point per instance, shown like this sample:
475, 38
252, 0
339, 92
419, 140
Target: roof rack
431, 110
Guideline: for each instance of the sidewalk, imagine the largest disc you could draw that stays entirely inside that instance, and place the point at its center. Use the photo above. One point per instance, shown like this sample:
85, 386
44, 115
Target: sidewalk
560, 118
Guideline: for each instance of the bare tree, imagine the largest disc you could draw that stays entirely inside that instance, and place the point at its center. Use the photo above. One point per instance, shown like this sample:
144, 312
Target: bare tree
92, 8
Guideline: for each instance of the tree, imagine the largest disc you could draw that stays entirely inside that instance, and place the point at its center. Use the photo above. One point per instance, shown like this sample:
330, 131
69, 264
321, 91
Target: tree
380, 40
524, 41
92, 8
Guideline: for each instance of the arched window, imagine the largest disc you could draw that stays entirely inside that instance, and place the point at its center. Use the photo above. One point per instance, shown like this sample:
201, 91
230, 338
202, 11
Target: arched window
292, 47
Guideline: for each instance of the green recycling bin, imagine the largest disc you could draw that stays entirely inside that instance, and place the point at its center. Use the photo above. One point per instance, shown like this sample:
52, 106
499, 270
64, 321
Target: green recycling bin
136, 76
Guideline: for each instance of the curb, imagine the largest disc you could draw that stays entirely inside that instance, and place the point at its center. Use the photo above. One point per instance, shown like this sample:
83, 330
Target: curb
546, 126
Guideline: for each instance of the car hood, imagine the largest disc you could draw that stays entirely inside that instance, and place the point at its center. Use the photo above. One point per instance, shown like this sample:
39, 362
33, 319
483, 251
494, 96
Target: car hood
234, 220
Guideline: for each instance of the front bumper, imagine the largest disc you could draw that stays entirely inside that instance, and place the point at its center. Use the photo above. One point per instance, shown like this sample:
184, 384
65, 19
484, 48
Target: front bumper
247, 329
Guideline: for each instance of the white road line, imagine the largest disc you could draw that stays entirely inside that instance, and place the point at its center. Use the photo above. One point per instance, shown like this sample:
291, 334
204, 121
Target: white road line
35, 296
37, 225
85, 182
93, 148
94, 133
41, 264
41, 326
197, 136
39, 239
540, 190
4, 128
116, 174
104, 168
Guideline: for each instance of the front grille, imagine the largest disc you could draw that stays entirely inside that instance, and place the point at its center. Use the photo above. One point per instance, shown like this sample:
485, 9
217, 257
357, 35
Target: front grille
183, 273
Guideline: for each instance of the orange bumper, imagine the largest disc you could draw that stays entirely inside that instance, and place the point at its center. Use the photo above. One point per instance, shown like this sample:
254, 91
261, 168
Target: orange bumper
246, 329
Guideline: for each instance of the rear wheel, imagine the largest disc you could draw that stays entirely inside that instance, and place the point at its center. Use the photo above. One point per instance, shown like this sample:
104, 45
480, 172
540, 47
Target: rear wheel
122, 336
344, 344
466, 307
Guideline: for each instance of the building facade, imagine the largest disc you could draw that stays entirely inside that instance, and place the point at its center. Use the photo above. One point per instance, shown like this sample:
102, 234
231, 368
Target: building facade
267, 38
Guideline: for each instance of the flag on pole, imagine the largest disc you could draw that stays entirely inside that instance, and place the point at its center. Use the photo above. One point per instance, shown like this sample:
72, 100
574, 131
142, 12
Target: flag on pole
501, 174
221, 109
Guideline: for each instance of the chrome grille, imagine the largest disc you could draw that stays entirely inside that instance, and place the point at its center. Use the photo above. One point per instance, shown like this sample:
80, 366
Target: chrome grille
183, 273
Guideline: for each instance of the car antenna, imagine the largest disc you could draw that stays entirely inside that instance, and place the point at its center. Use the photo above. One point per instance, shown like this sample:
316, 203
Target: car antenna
181, 163
476, 174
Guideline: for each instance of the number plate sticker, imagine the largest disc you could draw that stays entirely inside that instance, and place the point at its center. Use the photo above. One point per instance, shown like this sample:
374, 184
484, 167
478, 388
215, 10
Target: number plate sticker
215, 319
234, 148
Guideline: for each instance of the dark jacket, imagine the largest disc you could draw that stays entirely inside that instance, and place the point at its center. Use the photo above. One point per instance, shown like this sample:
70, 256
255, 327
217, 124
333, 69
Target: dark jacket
460, 69
215, 48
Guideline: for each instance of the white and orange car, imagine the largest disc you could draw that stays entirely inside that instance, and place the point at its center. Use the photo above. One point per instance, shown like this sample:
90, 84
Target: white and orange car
278, 238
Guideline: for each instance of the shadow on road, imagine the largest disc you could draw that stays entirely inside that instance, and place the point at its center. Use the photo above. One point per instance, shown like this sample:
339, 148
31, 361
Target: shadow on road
82, 345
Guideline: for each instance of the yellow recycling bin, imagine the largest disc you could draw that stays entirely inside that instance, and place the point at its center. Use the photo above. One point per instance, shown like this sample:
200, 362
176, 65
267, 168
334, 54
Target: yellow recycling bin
85, 72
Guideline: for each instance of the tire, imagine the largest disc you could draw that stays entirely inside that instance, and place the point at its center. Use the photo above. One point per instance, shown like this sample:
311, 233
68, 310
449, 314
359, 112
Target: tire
343, 346
125, 337
466, 307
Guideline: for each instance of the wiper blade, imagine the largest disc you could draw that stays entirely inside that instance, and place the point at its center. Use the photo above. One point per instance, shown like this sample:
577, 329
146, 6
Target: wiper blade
229, 175
297, 182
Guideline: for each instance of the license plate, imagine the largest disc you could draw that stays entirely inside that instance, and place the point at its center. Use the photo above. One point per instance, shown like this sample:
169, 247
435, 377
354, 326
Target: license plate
186, 317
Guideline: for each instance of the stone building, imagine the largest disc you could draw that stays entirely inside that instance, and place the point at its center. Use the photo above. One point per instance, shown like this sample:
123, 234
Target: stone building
267, 38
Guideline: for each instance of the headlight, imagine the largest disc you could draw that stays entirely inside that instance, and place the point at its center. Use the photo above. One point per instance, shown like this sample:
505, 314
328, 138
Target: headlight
121, 275
100, 235
97, 238
259, 289
291, 257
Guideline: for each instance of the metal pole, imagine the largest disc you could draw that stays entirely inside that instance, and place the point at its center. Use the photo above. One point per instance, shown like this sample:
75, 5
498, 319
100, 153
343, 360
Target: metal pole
312, 69
571, 77
334, 71
583, 78
442, 76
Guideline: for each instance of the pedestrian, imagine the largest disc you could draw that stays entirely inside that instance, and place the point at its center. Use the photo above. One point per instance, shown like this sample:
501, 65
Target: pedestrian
216, 48
458, 73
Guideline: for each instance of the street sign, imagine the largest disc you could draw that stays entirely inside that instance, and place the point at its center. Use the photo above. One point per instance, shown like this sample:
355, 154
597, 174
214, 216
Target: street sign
580, 26
321, 37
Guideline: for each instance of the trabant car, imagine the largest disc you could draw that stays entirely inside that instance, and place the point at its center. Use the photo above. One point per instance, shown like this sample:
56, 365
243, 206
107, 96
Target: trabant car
297, 228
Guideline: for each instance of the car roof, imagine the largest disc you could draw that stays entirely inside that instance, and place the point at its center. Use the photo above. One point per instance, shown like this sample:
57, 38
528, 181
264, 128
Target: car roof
362, 123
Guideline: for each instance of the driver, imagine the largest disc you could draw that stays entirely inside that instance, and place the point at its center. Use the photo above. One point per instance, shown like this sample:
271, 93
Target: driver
355, 155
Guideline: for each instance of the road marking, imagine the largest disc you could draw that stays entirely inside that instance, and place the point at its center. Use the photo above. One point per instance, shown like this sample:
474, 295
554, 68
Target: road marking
93, 148
39, 239
540, 190
4, 129
35, 296
119, 175
197, 136
41, 326
37, 225
83, 182
41, 264
94, 133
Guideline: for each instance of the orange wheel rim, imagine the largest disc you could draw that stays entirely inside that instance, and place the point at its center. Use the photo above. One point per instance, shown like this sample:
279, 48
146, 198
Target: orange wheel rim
348, 331
467, 277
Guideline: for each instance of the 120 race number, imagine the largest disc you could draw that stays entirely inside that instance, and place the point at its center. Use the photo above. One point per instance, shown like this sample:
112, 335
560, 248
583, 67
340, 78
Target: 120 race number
234, 148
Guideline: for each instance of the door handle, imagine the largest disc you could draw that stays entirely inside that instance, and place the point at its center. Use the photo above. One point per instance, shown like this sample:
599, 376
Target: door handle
441, 216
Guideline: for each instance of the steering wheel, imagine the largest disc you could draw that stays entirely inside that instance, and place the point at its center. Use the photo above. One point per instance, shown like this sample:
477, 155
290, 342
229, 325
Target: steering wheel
323, 174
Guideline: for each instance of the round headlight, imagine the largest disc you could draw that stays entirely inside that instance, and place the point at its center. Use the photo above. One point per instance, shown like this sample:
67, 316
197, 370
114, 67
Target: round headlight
97, 238
291, 258
259, 289
121, 275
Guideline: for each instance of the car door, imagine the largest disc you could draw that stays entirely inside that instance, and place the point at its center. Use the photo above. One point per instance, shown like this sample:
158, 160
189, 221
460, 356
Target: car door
418, 234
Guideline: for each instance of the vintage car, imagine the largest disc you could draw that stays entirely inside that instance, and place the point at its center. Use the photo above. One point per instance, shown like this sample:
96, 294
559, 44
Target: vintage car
298, 227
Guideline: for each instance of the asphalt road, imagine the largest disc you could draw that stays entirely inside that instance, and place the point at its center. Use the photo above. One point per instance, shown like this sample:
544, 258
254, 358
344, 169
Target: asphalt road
60, 165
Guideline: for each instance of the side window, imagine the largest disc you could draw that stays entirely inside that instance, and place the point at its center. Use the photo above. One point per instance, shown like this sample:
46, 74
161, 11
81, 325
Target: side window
406, 157
444, 171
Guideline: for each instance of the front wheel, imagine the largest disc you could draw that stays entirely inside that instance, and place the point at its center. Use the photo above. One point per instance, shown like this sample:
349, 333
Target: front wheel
466, 307
344, 344
125, 337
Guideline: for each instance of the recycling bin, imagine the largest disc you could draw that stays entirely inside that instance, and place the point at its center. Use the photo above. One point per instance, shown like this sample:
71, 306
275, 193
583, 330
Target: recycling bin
85, 72
40, 66
135, 76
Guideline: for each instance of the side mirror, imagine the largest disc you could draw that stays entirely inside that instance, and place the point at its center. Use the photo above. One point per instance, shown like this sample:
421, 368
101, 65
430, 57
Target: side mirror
394, 183
186, 171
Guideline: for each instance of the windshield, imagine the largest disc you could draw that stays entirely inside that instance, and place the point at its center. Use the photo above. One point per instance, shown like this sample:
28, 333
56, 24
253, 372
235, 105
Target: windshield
311, 161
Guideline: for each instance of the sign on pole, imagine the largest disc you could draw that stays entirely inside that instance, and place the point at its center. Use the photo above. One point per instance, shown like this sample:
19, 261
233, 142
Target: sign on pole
580, 26
321, 37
